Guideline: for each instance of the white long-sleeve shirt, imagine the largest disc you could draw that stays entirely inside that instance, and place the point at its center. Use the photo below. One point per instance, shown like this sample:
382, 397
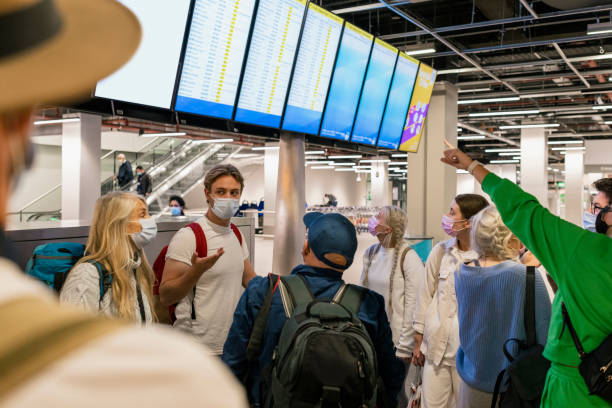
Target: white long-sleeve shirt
404, 290
435, 314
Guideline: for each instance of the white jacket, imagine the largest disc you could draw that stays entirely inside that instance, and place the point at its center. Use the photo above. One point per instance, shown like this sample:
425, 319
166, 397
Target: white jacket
435, 314
404, 290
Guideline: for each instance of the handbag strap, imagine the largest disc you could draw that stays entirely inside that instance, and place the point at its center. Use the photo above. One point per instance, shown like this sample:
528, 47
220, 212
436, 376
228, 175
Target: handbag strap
570, 326
530, 326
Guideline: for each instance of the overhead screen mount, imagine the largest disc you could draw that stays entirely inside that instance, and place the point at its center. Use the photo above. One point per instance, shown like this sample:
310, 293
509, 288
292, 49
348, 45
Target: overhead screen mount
271, 65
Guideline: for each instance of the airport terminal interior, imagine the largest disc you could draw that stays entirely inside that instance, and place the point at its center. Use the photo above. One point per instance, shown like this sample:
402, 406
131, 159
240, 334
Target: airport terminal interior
333, 107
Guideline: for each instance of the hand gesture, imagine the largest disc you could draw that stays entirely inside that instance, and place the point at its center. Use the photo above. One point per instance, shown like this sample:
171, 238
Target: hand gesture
418, 358
455, 157
204, 264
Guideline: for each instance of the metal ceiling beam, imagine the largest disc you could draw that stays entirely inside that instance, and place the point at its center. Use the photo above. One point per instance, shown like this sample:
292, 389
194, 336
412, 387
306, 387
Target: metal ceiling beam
529, 9
504, 21
367, 7
447, 43
488, 134
569, 64
526, 78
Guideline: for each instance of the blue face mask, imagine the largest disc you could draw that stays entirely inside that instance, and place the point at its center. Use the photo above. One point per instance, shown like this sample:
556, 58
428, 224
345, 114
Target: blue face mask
588, 221
176, 211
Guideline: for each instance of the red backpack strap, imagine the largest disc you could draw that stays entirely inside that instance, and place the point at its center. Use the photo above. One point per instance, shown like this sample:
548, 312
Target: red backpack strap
237, 233
201, 245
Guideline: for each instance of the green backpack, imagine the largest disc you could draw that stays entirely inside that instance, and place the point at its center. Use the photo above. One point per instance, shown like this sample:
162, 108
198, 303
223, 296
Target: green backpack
325, 357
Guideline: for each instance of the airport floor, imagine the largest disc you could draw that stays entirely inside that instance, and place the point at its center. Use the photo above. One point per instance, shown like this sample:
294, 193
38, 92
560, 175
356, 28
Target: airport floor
264, 253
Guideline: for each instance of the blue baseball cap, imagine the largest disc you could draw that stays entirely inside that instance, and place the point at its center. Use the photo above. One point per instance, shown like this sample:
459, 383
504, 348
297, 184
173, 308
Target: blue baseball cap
331, 234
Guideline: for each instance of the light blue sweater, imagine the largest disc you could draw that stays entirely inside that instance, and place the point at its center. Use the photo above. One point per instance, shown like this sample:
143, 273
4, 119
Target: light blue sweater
491, 304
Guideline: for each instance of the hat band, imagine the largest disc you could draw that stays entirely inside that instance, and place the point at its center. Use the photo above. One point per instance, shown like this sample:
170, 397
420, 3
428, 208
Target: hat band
28, 27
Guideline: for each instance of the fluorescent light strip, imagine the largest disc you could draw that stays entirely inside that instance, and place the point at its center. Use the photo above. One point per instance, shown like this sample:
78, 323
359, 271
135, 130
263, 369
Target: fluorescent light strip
472, 137
345, 170
313, 152
214, 141
561, 142
599, 28
508, 153
516, 158
504, 161
398, 164
474, 90
608, 122
459, 129
504, 113
420, 52
342, 164
602, 107
362, 171
399, 155
350, 156
375, 161
56, 121
567, 148
172, 134
320, 162
501, 150
488, 100
539, 125
266, 148
322, 167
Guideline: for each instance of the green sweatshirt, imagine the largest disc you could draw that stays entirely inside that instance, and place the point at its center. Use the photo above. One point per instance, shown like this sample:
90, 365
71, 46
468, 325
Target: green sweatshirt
579, 261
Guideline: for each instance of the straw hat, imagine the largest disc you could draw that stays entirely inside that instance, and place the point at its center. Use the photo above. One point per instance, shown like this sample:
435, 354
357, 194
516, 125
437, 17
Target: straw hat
55, 51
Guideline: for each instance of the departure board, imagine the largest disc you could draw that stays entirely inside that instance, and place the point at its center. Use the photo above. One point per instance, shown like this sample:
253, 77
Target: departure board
315, 61
214, 57
149, 77
345, 88
419, 106
374, 95
398, 102
269, 62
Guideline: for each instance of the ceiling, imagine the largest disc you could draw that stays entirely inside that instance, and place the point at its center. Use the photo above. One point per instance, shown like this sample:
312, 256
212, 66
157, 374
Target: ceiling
531, 51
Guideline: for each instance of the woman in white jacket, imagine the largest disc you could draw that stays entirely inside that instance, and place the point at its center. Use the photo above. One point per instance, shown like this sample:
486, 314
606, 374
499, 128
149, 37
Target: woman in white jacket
395, 271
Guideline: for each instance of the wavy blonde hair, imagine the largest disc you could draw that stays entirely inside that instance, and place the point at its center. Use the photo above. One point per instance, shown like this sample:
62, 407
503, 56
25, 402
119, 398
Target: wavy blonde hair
395, 218
110, 245
490, 237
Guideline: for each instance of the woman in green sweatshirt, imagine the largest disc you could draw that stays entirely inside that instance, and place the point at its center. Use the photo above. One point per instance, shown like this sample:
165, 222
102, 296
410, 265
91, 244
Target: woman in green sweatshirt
579, 261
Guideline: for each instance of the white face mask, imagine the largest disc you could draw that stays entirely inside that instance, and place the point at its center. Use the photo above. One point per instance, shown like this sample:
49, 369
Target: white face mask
225, 208
147, 234
588, 221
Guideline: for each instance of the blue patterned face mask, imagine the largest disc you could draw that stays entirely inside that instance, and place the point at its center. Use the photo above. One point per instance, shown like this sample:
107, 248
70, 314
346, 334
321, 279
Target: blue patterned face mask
588, 221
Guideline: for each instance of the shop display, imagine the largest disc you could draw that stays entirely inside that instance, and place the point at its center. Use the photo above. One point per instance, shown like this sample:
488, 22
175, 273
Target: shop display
359, 216
419, 106
269, 62
398, 102
149, 77
216, 48
375, 93
313, 71
346, 84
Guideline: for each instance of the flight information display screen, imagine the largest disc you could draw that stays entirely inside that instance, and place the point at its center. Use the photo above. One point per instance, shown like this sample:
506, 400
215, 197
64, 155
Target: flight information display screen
374, 95
149, 77
347, 82
398, 102
313, 69
419, 106
214, 57
269, 62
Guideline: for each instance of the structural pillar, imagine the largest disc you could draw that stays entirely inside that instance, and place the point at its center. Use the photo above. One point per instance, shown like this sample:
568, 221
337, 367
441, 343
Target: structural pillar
270, 184
574, 190
289, 231
534, 163
380, 189
431, 184
81, 166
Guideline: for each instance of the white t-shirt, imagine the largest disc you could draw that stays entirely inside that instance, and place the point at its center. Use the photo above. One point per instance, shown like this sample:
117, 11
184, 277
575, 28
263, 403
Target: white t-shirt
218, 289
142, 367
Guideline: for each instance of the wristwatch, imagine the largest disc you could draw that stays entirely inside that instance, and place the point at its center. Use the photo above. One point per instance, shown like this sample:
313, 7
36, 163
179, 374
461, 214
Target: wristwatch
473, 165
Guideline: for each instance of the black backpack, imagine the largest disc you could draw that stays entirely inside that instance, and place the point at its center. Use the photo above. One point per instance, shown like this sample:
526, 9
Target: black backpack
324, 357
526, 373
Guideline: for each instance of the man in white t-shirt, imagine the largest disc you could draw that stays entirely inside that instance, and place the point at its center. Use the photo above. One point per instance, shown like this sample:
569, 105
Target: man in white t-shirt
56, 356
206, 290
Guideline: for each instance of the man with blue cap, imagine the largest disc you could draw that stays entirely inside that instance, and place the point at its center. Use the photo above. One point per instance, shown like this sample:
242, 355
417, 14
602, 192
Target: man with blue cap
328, 251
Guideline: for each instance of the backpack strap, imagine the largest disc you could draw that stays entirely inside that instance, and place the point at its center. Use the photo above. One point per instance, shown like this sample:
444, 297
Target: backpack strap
202, 251
294, 293
237, 233
106, 279
351, 297
529, 318
402, 259
38, 333
567, 322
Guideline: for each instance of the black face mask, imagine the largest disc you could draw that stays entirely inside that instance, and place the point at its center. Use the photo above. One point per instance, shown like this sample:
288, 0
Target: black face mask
600, 225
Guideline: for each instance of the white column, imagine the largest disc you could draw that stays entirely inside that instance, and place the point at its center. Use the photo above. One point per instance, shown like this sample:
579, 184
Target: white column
534, 163
81, 166
270, 186
379, 177
574, 175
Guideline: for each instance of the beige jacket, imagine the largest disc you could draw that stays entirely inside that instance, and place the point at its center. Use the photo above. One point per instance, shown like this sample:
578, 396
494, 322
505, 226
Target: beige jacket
435, 314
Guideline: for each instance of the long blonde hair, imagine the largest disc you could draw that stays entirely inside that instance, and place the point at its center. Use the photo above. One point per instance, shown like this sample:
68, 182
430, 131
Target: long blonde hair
110, 245
395, 218
490, 237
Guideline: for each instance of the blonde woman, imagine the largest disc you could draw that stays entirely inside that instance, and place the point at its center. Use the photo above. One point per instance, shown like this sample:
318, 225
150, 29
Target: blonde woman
491, 297
114, 277
395, 271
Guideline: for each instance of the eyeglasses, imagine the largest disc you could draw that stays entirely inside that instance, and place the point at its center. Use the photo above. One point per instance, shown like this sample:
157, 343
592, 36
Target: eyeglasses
596, 208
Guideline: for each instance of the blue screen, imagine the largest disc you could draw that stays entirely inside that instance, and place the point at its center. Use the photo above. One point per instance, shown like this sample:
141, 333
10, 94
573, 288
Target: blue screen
312, 71
213, 60
374, 94
346, 83
398, 102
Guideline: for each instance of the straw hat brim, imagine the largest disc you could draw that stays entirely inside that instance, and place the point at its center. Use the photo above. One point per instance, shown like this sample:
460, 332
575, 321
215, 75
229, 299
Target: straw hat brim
97, 37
